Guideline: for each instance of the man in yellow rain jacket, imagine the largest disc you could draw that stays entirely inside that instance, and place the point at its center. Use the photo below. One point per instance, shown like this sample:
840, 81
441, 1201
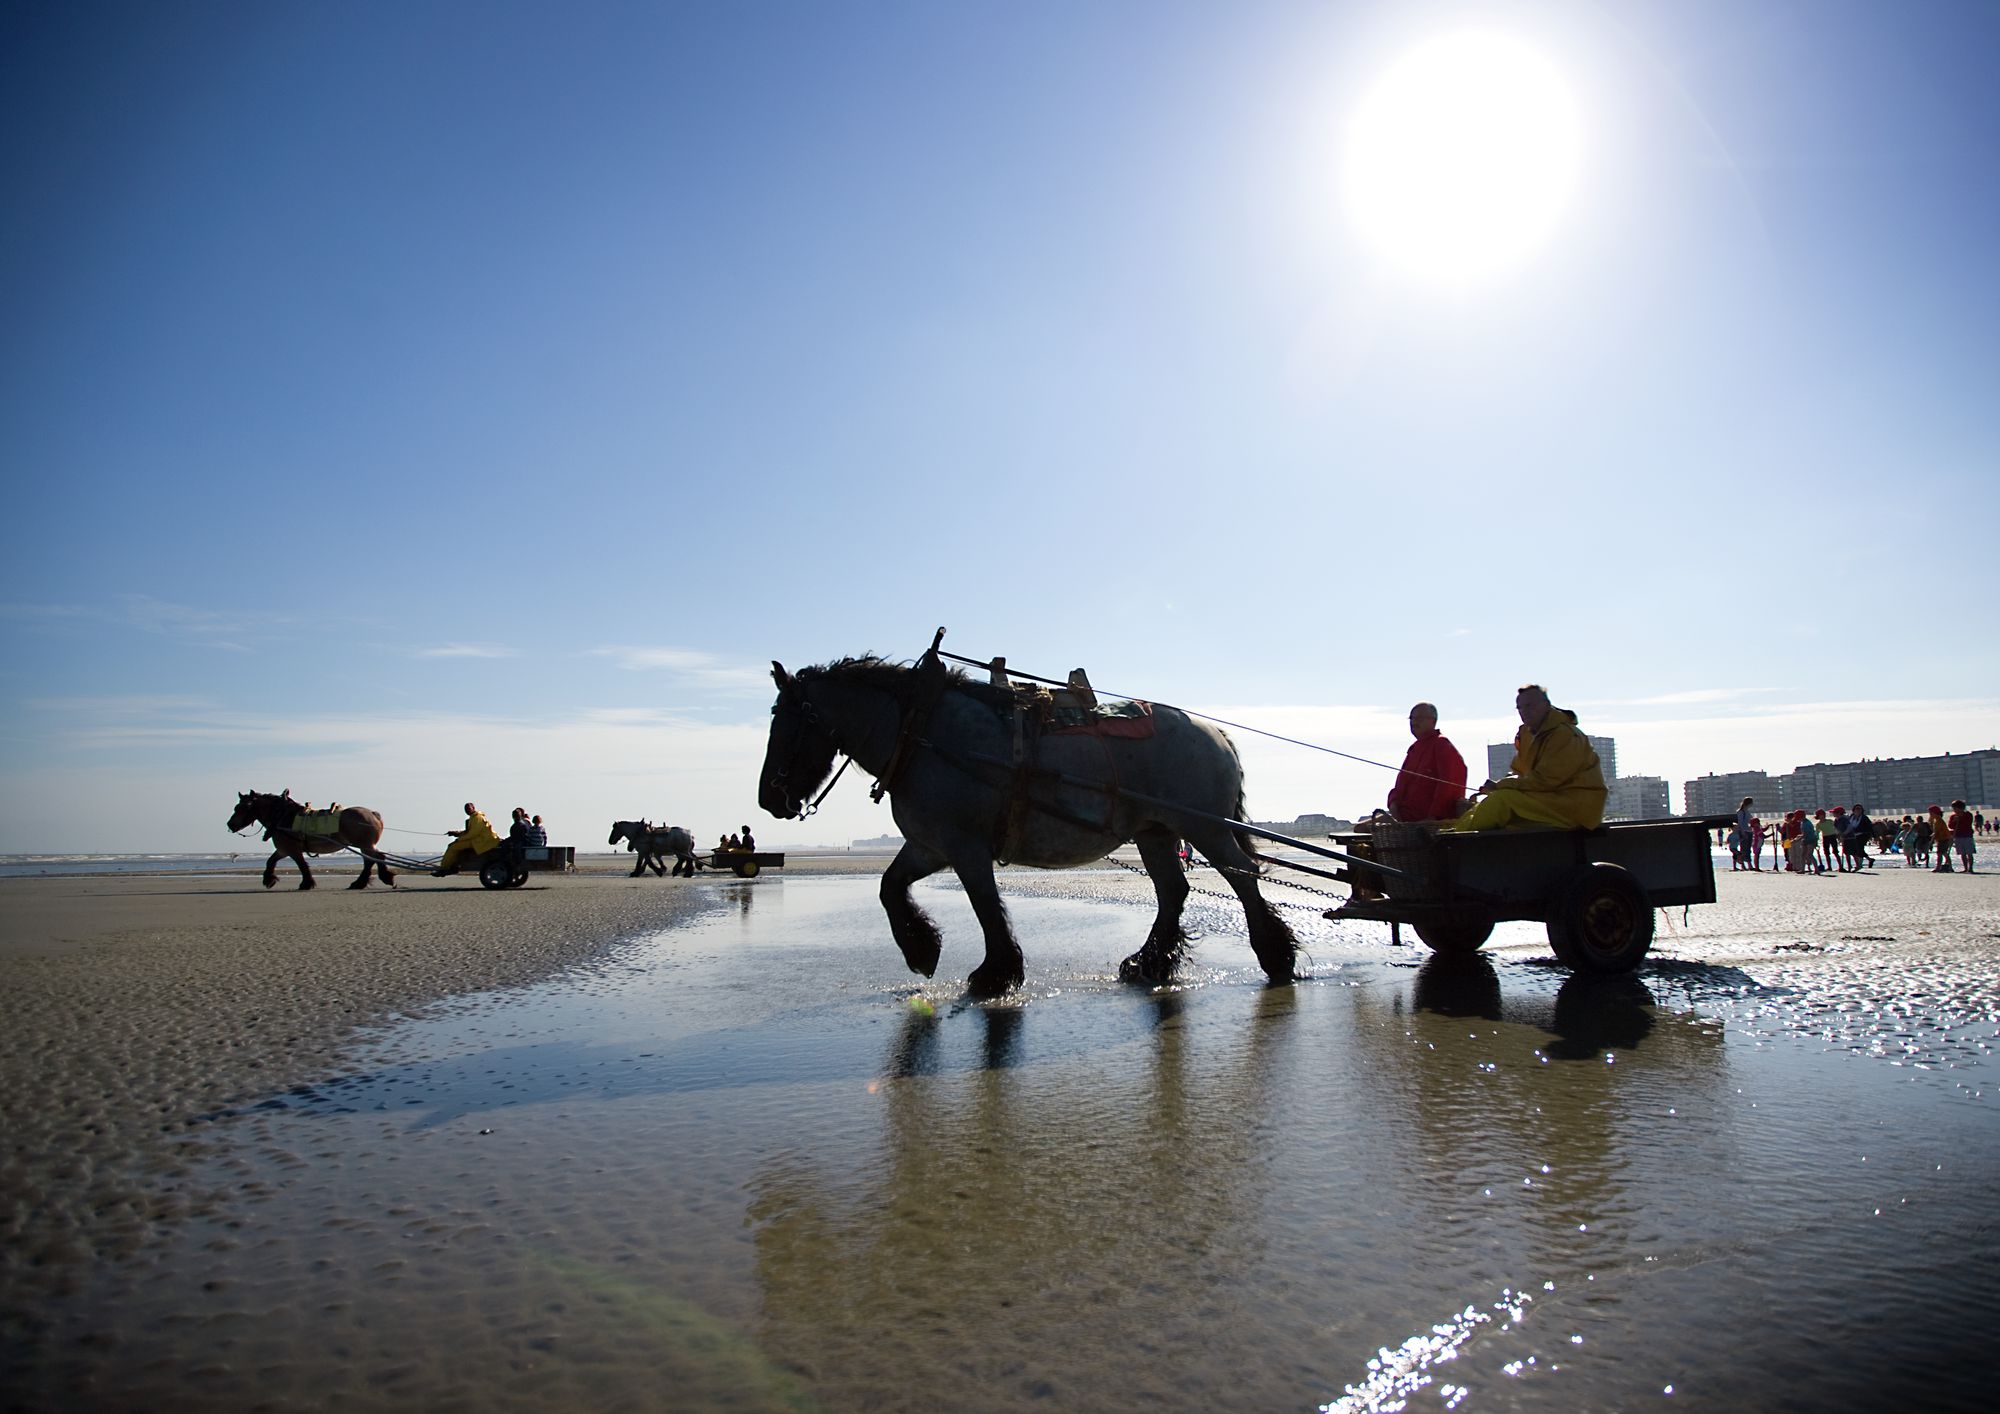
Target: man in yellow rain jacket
1554, 779
474, 840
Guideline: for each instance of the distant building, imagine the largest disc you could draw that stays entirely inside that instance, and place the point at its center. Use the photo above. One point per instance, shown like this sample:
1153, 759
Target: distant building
1306, 826
1898, 784
1638, 798
1501, 755
1720, 795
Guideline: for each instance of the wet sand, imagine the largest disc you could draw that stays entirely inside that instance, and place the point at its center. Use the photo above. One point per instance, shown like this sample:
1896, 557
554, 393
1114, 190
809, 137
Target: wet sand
683, 1144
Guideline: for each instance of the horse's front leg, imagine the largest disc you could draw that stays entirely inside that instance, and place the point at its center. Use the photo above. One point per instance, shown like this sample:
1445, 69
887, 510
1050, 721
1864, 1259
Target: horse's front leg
911, 927
1155, 963
1003, 968
639, 869
271, 869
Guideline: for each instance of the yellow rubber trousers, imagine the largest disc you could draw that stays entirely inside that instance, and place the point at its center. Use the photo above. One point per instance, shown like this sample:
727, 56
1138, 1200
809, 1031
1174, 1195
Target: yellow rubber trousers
1499, 809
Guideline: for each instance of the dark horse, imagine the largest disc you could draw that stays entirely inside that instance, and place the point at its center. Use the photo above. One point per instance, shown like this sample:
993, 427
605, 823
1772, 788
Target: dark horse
944, 747
653, 844
279, 813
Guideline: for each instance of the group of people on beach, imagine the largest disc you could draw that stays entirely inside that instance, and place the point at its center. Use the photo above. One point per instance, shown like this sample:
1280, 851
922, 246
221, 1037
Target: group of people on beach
1836, 841
1921, 836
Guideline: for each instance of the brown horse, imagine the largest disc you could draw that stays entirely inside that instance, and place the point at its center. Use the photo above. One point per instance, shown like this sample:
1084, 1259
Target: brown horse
278, 814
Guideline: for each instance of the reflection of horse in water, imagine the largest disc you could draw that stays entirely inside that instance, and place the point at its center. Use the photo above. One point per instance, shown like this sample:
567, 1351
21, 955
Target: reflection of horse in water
1096, 1208
279, 815
942, 746
653, 844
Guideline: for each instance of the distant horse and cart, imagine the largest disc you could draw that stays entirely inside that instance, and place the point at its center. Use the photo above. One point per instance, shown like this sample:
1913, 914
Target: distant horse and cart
296, 830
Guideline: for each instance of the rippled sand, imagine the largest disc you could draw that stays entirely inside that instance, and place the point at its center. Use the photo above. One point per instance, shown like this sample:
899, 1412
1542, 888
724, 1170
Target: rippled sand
718, 1159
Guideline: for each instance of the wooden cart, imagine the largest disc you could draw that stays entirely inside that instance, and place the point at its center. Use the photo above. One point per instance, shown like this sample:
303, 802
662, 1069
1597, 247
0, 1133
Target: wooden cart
1595, 890
744, 863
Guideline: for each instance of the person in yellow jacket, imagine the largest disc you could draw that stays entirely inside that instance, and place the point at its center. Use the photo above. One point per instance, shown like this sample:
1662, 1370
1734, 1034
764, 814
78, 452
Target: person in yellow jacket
474, 840
1555, 778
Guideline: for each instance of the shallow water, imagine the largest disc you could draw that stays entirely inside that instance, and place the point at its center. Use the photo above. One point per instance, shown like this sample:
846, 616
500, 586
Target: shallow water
736, 1166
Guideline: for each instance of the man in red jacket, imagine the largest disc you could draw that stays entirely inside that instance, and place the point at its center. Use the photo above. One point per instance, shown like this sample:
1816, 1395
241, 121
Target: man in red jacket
1431, 785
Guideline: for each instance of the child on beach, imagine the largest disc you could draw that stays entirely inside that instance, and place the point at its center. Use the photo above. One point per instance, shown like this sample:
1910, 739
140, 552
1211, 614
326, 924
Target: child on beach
1940, 842
1960, 825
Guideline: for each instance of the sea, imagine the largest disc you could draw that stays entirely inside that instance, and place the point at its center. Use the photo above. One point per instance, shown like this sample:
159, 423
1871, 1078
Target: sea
27, 866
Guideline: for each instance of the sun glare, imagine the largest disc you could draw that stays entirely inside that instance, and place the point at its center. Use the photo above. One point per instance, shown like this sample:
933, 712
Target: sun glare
1462, 158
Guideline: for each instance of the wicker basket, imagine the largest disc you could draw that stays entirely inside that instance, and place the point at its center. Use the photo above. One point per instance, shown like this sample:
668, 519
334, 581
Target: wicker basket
1414, 850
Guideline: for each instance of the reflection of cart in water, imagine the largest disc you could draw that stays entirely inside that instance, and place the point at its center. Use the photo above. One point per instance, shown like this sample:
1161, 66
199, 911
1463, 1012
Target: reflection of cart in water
1594, 889
744, 863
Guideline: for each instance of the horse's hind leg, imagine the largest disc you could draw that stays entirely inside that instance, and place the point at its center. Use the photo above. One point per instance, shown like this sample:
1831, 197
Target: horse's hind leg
306, 880
1271, 937
1156, 962
1003, 968
367, 872
911, 927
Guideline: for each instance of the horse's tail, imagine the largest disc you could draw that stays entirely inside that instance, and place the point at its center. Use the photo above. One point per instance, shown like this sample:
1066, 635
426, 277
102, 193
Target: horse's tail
1243, 841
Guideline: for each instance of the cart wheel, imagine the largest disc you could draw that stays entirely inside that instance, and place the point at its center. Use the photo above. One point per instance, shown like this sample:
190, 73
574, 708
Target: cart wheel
1601, 921
496, 874
747, 869
1456, 937
520, 877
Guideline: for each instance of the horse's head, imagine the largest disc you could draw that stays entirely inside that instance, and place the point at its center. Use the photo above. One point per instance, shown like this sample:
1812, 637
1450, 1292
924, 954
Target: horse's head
800, 752
245, 812
618, 828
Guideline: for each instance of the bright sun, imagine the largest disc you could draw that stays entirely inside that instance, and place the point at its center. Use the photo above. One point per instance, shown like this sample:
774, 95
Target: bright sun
1461, 159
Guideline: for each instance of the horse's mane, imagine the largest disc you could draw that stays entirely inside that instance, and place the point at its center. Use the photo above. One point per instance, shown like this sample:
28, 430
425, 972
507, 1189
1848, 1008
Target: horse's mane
900, 680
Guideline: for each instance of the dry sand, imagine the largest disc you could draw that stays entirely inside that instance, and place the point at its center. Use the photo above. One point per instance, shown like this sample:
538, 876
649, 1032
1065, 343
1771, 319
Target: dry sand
143, 1008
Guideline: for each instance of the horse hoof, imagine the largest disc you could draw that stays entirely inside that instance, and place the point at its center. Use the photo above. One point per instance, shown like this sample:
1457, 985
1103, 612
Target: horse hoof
987, 985
1142, 971
270, 883
358, 884
308, 884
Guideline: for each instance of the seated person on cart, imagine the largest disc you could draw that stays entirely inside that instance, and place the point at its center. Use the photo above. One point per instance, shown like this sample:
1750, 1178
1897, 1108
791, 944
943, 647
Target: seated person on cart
1431, 785
1555, 778
474, 840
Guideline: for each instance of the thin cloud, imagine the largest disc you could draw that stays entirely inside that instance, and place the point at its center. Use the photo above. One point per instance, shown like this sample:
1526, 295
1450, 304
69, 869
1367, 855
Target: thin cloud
1692, 697
467, 650
689, 664
135, 705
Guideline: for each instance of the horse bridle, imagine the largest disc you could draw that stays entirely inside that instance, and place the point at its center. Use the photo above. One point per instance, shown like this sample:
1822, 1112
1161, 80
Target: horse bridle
807, 809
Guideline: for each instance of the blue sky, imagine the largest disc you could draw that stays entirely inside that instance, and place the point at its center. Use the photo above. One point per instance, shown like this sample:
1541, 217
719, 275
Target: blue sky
402, 403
